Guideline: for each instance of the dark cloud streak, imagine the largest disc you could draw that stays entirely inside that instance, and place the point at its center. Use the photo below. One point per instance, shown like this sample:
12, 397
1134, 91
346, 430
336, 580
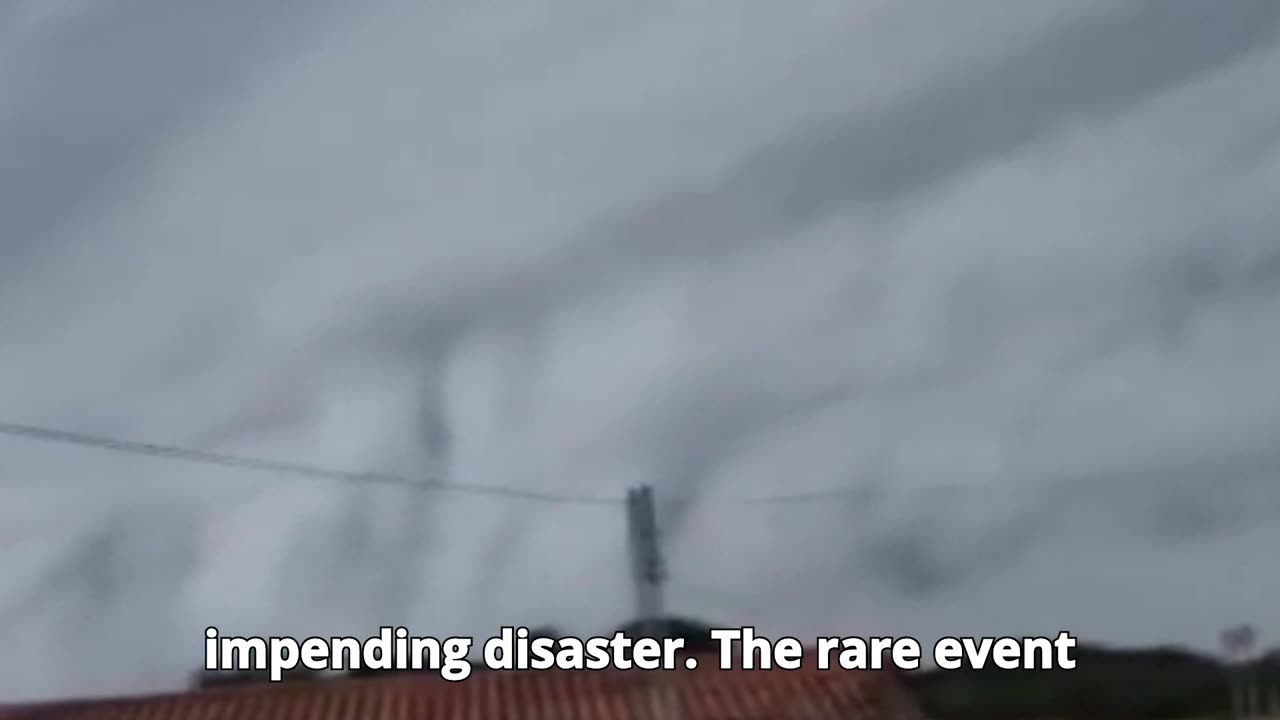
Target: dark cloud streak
124, 82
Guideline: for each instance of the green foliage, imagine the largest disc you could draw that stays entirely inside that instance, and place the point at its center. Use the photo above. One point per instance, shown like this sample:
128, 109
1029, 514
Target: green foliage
207, 679
545, 631
695, 633
1107, 684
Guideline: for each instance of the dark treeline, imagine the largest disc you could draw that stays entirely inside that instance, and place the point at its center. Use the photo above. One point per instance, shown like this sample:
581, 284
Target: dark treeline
1106, 684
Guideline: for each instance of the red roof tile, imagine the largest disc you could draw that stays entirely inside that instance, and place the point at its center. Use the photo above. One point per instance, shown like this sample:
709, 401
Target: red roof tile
703, 694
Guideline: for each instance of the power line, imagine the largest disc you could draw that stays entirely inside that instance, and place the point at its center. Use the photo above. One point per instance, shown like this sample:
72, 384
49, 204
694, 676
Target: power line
1254, 469
1242, 470
191, 455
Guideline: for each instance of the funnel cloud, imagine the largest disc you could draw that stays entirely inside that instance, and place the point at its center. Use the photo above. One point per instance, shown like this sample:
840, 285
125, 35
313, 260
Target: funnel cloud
919, 318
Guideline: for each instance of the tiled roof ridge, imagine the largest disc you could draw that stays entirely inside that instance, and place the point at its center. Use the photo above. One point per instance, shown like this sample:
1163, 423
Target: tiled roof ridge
347, 689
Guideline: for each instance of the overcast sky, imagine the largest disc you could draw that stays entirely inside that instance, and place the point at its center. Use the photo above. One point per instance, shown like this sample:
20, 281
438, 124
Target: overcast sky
1006, 272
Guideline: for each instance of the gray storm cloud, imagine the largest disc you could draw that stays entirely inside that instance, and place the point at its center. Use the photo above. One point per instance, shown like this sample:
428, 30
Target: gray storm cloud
995, 287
